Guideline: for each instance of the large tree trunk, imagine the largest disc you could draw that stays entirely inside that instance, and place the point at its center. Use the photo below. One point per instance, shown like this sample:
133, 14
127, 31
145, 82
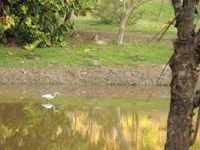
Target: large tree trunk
184, 64
123, 21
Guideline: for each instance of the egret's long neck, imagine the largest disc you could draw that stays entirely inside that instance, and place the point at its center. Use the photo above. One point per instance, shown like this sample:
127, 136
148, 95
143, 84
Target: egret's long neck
54, 95
54, 109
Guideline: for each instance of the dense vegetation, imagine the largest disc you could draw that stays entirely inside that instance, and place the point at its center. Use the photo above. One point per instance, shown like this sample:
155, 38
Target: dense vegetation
38, 22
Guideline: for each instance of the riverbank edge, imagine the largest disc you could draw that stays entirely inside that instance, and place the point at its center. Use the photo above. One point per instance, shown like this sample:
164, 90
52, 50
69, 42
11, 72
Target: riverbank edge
143, 74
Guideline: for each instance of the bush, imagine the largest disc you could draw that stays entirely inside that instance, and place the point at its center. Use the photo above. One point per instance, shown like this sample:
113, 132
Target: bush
39, 22
111, 12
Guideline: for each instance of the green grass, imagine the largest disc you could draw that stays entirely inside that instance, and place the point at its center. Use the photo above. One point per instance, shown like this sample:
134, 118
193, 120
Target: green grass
82, 54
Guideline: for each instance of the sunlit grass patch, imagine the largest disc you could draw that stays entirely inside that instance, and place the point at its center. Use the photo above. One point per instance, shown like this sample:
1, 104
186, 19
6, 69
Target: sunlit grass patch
111, 55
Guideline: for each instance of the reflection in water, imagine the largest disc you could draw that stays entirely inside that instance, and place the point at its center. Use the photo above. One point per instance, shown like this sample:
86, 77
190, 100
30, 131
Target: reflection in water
137, 132
120, 132
119, 128
29, 127
49, 106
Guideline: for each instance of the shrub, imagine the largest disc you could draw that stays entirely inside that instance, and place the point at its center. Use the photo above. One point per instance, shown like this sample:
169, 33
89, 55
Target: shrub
111, 11
39, 22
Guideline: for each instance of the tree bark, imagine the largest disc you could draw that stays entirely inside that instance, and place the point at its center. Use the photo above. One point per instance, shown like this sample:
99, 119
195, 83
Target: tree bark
97, 1
69, 16
123, 21
184, 65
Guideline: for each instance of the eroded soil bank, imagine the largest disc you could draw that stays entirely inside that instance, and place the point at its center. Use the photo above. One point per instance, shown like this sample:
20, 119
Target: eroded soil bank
142, 74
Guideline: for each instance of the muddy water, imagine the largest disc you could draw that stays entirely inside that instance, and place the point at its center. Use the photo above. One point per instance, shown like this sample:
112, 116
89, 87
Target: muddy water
43, 125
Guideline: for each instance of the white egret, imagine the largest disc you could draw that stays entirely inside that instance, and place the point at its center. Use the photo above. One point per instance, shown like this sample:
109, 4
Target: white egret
49, 96
49, 106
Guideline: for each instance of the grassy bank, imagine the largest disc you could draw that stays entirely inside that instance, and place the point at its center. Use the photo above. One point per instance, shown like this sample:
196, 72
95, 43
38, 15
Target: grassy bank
138, 47
83, 54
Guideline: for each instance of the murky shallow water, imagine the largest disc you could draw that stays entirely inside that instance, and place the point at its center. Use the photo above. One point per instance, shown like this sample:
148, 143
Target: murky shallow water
28, 122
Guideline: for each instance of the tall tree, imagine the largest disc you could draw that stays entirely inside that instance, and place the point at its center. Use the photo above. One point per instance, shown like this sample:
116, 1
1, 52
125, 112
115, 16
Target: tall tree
123, 21
184, 66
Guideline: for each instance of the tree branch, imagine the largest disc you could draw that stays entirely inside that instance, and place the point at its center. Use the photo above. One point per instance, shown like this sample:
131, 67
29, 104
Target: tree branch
124, 6
130, 8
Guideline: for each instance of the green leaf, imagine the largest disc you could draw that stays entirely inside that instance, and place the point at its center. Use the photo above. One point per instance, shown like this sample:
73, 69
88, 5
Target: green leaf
33, 45
63, 30
28, 21
47, 40
51, 28
32, 30
41, 26
23, 7
56, 14
61, 38
63, 43
16, 34
4, 40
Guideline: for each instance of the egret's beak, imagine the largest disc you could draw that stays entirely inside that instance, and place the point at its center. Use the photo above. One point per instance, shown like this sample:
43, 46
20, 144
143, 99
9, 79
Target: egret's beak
59, 94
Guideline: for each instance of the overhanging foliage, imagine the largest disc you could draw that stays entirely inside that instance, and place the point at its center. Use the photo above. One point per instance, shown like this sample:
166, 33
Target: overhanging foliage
39, 22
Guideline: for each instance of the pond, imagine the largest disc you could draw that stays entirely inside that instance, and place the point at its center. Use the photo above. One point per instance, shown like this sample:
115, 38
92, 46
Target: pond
84, 118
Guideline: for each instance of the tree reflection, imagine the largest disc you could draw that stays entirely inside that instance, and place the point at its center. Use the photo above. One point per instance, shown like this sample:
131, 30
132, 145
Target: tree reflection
122, 139
28, 127
114, 129
32, 127
137, 132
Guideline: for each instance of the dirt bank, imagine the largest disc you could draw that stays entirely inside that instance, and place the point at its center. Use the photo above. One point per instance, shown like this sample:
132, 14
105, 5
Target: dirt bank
142, 74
